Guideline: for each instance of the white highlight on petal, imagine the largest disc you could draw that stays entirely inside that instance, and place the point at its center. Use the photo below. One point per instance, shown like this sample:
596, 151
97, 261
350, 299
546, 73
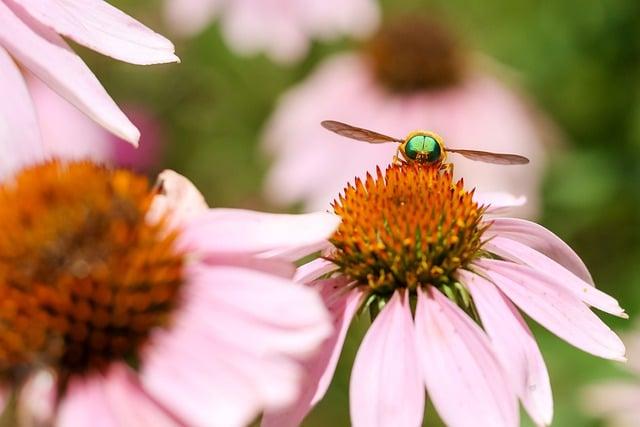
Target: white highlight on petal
464, 378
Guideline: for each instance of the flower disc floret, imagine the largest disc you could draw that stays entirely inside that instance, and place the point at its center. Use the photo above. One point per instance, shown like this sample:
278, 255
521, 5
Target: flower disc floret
411, 227
84, 276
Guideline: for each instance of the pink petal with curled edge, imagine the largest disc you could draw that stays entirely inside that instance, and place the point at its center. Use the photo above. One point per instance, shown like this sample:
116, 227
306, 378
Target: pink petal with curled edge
464, 378
261, 310
542, 240
554, 307
242, 231
47, 56
386, 384
515, 346
20, 140
498, 202
320, 368
313, 270
177, 197
557, 274
101, 27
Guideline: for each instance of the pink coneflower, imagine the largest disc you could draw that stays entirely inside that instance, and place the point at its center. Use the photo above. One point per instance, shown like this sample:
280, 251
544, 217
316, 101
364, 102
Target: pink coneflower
617, 402
64, 131
411, 74
122, 304
30, 37
441, 277
283, 29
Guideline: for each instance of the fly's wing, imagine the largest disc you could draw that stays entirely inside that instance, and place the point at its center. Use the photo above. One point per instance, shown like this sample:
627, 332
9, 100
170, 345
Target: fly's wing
487, 157
354, 132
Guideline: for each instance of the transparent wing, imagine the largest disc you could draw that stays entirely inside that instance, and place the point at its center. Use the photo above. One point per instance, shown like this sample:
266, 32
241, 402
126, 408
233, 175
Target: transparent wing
354, 132
487, 157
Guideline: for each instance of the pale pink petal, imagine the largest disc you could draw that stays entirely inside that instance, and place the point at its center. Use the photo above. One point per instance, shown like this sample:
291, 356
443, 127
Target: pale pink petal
242, 231
320, 368
85, 404
37, 399
498, 202
463, 376
386, 384
557, 274
188, 17
251, 26
554, 307
313, 270
178, 197
47, 56
19, 136
235, 349
515, 346
130, 404
277, 266
542, 240
67, 133
101, 27
269, 312
190, 378
112, 399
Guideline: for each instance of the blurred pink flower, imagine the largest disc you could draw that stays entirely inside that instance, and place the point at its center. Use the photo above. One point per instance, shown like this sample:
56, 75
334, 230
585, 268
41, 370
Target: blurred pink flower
407, 78
68, 134
617, 402
280, 28
201, 325
442, 277
30, 35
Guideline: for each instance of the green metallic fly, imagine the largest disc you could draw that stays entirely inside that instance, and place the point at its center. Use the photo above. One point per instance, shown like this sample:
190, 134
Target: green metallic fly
421, 146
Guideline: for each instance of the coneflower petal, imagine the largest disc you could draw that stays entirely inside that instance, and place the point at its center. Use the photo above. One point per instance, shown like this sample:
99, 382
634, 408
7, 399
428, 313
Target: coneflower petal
515, 346
386, 386
542, 240
523, 254
463, 376
554, 307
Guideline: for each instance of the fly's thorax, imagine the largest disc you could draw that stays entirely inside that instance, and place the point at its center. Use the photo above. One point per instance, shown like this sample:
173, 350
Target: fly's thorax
84, 275
424, 147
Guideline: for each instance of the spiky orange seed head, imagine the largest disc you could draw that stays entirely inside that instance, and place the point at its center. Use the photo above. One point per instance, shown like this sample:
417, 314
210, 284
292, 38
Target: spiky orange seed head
84, 277
411, 226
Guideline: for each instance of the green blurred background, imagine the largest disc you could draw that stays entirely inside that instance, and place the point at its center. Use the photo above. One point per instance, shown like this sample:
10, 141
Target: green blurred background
580, 61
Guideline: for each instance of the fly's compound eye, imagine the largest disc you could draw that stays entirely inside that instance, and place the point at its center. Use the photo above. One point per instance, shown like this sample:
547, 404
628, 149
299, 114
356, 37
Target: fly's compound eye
423, 148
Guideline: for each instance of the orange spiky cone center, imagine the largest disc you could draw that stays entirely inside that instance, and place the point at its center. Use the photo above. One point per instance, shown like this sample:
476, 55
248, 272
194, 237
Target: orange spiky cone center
84, 277
411, 227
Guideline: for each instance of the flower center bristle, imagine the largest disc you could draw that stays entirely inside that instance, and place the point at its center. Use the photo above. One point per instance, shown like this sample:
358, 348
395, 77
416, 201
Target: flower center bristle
411, 227
415, 53
84, 277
